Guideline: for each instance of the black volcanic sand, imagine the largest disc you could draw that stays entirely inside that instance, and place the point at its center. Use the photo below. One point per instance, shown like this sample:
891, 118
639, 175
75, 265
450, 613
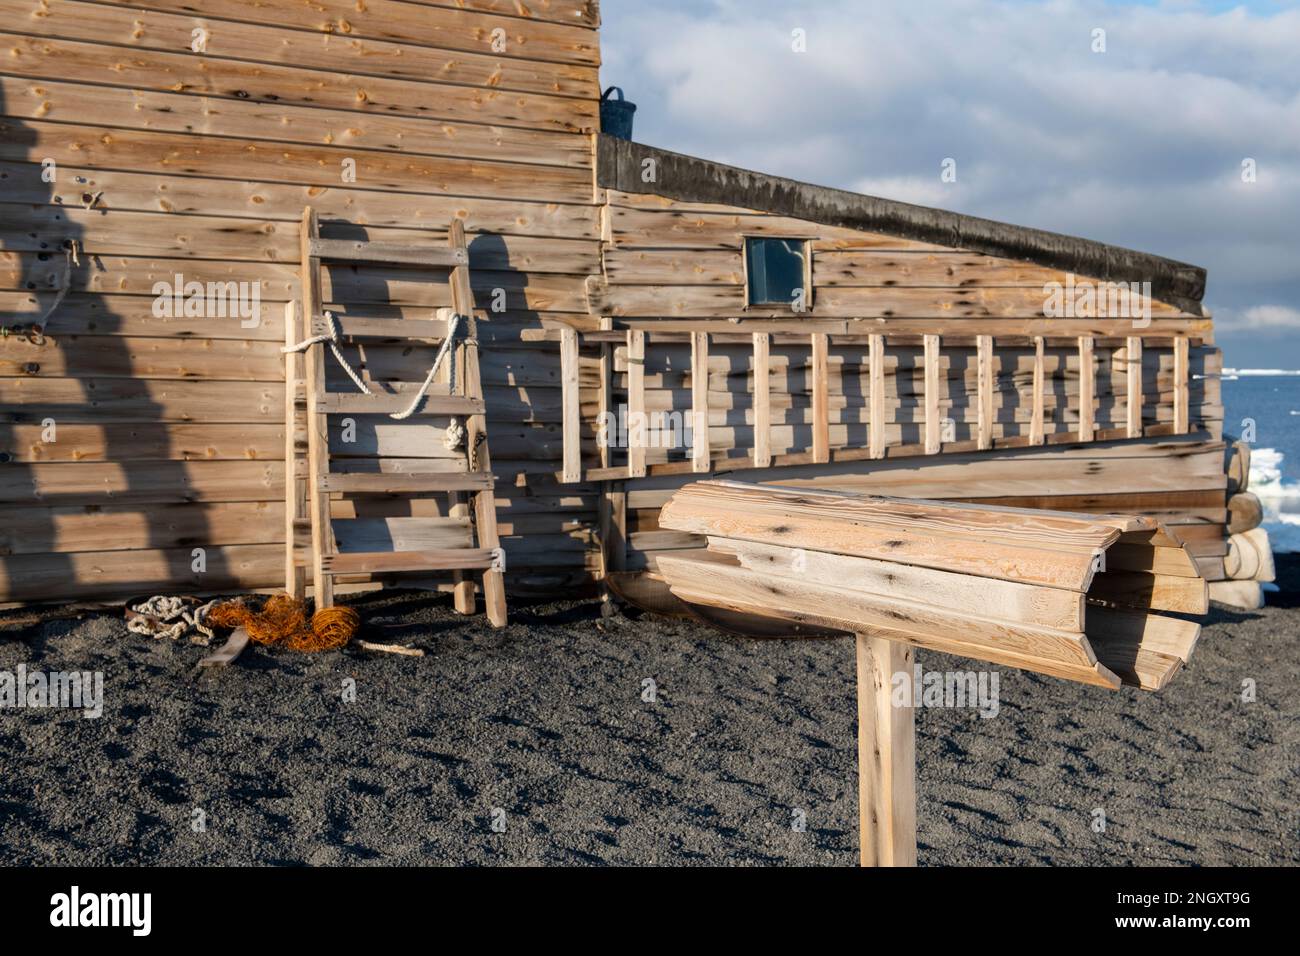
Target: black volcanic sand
545, 721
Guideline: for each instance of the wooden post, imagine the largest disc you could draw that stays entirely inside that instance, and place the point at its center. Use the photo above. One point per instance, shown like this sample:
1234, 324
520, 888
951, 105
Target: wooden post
886, 756
1134, 349
700, 401
762, 400
636, 423
1182, 399
1087, 390
570, 407
605, 397
876, 398
821, 424
317, 422
295, 483
1036, 424
984, 396
471, 386
933, 426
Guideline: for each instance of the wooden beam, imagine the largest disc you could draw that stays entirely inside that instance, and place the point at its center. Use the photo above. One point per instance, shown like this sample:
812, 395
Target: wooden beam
317, 423
636, 424
295, 485
605, 399
485, 511
933, 425
1036, 423
886, 756
762, 401
876, 414
821, 437
1133, 348
570, 401
1182, 418
700, 401
1087, 389
984, 397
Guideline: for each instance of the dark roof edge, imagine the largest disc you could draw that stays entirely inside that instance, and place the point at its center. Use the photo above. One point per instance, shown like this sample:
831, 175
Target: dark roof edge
688, 179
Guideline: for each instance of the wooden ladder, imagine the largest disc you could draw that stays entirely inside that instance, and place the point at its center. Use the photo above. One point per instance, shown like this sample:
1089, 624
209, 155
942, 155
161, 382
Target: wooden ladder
310, 488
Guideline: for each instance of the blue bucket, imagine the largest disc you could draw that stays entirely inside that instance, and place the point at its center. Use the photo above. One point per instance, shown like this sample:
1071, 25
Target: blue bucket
616, 114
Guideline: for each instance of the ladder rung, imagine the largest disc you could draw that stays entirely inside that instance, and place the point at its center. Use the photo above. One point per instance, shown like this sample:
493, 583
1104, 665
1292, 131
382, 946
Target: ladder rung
397, 253
378, 562
358, 403
360, 326
389, 484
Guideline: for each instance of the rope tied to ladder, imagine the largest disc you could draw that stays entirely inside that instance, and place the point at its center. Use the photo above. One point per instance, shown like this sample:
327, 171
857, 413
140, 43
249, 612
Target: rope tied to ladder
332, 335
444, 352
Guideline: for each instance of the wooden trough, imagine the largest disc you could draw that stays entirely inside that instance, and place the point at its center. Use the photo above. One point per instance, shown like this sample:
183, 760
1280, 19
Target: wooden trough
1069, 595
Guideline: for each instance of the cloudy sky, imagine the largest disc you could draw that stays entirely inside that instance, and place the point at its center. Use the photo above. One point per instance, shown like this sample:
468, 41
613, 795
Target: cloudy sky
1141, 145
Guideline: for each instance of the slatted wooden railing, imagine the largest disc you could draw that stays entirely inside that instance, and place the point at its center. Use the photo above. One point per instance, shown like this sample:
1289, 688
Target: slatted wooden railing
820, 451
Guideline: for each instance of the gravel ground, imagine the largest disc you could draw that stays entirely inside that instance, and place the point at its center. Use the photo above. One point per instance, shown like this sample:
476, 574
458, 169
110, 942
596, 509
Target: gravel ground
542, 728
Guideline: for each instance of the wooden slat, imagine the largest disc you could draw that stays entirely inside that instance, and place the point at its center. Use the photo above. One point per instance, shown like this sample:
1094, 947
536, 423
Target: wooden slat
933, 423
700, 458
699, 577
350, 250
1009, 544
485, 509
405, 533
1133, 351
322, 542
1087, 389
403, 330
821, 441
1181, 391
396, 484
876, 398
984, 395
637, 437
1005, 600
886, 756
1156, 592
290, 85
605, 397
572, 411
1037, 424
379, 562
296, 515
762, 455
378, 403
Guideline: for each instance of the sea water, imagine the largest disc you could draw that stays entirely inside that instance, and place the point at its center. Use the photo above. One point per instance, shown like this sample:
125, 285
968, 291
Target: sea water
1270, 399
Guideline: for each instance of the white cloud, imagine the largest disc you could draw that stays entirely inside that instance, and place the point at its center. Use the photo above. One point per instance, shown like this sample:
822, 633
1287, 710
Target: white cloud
1258, 318
1140, 146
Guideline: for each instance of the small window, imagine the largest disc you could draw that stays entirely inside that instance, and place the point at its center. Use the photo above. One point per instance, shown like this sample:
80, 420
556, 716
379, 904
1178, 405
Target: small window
777, 272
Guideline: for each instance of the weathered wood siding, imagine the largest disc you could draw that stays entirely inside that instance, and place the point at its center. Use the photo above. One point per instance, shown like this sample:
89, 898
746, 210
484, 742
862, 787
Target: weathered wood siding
673, 267
168, 432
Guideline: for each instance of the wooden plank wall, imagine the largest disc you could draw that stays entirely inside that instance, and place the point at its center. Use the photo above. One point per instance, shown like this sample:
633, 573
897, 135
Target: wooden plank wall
677, 268
170, 160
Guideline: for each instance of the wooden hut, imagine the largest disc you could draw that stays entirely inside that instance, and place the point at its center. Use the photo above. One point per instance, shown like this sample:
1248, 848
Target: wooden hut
151, 154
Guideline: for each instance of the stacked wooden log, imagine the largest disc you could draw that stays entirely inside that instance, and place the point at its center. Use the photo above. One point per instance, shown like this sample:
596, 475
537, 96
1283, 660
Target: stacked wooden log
1248, 564
1070, 595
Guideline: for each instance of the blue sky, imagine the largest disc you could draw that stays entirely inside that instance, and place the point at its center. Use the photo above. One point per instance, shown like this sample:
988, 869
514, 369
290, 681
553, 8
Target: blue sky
1141, 145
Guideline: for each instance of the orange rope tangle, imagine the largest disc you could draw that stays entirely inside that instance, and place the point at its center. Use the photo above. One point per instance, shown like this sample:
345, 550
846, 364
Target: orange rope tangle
282, 622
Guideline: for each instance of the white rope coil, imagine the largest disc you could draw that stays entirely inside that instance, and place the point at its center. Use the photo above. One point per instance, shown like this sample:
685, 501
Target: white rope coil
170, 617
